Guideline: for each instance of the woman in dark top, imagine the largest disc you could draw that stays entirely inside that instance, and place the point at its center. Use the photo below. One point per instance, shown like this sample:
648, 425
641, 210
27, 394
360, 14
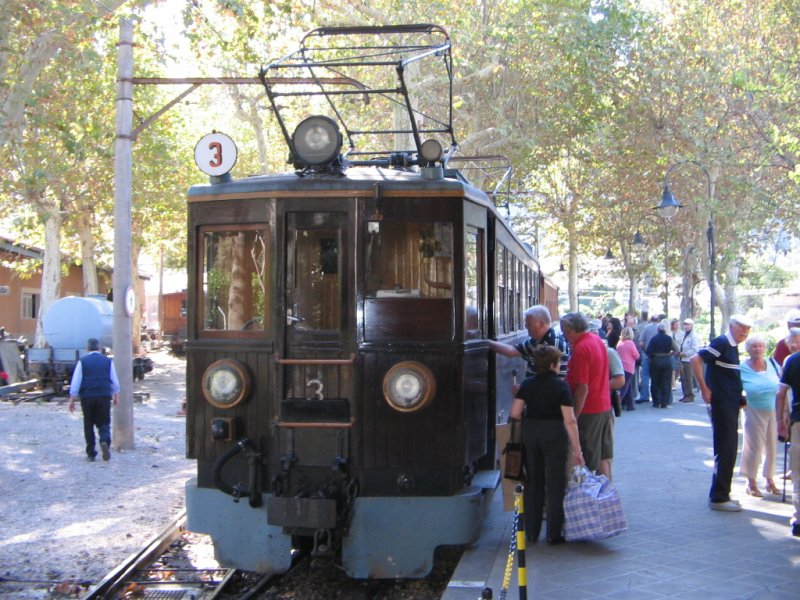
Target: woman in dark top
549, 428
614, 332
660, 350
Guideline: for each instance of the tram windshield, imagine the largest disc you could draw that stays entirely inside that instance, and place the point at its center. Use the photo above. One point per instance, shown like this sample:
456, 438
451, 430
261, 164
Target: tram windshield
234, 265
409, 260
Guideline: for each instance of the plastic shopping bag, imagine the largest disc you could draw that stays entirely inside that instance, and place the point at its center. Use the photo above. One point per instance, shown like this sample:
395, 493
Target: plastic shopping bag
592, 507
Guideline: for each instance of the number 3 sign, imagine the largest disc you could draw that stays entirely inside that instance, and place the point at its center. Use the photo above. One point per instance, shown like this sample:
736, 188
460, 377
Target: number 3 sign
215, 154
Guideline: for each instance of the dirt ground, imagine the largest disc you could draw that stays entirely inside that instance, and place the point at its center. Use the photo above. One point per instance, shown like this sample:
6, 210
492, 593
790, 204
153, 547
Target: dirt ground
62, 518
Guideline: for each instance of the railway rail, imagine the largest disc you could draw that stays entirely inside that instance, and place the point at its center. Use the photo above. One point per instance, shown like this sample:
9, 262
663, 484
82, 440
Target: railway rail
156, 571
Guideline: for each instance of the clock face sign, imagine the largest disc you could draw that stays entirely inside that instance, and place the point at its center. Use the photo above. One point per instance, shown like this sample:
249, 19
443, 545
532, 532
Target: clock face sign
215, 154
130, 301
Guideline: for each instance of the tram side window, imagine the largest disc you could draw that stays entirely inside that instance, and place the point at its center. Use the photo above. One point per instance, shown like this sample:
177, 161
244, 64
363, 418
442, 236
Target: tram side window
473, 285
409, 260
233, 279
502, 325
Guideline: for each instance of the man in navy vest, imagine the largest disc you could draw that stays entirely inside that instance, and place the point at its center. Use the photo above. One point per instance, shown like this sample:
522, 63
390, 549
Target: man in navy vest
721, 386
95, 382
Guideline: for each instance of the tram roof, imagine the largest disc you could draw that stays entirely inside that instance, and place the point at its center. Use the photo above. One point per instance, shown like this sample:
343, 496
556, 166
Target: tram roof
356, 181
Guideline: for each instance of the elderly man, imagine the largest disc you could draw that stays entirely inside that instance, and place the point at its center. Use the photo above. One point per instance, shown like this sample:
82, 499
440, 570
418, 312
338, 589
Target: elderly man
788, 417
721, 386
95, 382
538, 323
689, 344
782, 347
645, 336
587, 377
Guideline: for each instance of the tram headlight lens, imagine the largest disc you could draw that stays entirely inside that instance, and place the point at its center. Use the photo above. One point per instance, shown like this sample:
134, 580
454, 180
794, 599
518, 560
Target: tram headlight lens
225, 383
409, 386
431, 151
317, 140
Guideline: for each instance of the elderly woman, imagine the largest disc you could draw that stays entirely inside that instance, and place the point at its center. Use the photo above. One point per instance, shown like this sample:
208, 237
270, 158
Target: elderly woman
549, 429
629, 354
660, 350
760, 378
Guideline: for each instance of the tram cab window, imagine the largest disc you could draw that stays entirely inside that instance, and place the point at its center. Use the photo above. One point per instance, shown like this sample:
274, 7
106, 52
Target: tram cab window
473, 284
409, 260
233, 279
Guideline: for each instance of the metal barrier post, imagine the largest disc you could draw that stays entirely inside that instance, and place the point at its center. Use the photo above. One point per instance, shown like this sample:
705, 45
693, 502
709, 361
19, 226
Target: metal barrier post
522, 572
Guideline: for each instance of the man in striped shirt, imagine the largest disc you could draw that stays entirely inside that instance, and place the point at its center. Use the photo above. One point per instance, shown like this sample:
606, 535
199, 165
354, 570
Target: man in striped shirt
721, 387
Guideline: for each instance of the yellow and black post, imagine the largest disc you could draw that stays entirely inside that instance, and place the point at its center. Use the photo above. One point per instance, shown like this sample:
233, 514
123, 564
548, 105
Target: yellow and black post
522, 574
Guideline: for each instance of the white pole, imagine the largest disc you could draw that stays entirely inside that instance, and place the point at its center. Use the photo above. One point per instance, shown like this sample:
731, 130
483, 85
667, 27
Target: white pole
122, 282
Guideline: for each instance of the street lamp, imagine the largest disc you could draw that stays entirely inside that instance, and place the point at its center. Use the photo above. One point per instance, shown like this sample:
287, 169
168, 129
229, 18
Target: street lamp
666, 210
668, 198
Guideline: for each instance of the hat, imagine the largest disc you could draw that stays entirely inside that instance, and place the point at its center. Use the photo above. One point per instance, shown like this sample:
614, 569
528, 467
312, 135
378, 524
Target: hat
688, 321
741, 320
793, 316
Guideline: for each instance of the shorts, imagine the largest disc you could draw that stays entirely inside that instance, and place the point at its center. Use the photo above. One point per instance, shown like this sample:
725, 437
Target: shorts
596, 432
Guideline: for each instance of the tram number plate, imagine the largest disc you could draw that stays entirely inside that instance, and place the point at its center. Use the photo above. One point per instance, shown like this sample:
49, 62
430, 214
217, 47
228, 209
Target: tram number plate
312, 513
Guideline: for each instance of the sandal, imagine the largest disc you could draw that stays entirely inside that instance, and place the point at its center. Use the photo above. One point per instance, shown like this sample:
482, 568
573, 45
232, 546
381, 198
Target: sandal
755, 492
772, 488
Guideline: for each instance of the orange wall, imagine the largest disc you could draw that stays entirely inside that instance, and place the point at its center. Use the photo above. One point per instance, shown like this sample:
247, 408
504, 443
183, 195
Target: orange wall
11, 304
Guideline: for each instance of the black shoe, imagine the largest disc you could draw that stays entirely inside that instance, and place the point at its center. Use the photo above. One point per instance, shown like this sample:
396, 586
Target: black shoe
556, 540
796, 529
640, 401
105, 450
90, 458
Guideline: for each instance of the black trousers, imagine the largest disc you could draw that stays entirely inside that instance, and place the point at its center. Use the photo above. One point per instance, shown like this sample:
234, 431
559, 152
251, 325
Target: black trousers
96, 413
725, 425
546, 447
661, 380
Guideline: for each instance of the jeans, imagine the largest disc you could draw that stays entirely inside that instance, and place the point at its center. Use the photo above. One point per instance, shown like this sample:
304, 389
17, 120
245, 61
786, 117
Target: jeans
725, 425
644, 388
96, 413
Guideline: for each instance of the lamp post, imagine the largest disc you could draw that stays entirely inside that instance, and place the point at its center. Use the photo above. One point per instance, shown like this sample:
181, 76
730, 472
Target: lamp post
668, 197
666, 210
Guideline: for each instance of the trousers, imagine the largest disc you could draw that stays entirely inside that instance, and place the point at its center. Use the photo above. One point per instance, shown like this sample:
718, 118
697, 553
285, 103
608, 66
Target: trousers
546, 446
725, 425
96, 413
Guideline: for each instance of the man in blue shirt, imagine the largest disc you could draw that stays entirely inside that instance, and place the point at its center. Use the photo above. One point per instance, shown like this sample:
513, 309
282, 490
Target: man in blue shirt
95, 382
721, 387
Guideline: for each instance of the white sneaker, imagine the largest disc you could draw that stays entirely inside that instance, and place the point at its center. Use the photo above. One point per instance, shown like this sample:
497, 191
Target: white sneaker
725, 506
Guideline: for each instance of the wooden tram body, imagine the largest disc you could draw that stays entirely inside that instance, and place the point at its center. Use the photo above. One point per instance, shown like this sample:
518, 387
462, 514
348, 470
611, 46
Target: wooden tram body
340, 389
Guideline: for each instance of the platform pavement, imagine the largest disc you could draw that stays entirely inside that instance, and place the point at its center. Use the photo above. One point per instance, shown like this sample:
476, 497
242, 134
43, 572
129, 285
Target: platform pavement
675, 546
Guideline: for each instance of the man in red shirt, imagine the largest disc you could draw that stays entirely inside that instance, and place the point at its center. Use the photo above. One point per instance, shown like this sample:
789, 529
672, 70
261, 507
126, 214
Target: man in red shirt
587, 377
782, 348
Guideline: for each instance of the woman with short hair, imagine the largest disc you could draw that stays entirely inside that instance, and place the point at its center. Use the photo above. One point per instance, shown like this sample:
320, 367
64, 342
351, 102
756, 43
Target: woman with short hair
760, 378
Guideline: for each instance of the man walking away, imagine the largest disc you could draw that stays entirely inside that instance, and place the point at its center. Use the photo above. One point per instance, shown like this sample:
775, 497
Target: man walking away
95, 382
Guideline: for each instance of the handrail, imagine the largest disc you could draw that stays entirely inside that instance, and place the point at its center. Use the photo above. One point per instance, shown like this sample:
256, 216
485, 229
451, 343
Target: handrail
318, 425
316, 361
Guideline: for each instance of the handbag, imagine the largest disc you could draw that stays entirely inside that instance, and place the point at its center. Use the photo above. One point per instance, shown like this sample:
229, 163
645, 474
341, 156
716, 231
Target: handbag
592, 507
616, 403
515, 455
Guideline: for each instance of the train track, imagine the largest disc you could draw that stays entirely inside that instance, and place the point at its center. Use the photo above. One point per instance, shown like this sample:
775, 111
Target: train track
157, 571
175, 564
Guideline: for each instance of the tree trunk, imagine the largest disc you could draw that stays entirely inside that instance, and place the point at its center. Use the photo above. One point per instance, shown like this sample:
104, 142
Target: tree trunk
51, 266
88, 264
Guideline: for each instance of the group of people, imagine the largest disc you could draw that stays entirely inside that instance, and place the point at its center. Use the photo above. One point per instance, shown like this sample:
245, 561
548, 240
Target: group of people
566, 409
567, 416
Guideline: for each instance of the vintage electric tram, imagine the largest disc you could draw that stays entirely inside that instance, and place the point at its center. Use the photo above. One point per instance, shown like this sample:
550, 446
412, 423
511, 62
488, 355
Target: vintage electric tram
341, 393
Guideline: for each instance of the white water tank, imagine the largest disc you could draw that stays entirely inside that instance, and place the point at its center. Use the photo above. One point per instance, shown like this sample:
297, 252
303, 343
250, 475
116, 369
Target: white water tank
71, 321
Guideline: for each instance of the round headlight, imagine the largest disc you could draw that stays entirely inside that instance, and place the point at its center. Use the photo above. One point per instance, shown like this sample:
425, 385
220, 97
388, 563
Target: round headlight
409, 386
317, 140
431, 150
225, 383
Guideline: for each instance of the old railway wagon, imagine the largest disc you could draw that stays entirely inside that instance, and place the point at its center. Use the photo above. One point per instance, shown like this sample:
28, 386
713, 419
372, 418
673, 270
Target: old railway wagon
341, 393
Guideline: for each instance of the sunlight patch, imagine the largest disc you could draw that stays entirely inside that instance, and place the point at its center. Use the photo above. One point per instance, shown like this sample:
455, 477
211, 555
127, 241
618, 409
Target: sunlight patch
688, 423
83, 528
